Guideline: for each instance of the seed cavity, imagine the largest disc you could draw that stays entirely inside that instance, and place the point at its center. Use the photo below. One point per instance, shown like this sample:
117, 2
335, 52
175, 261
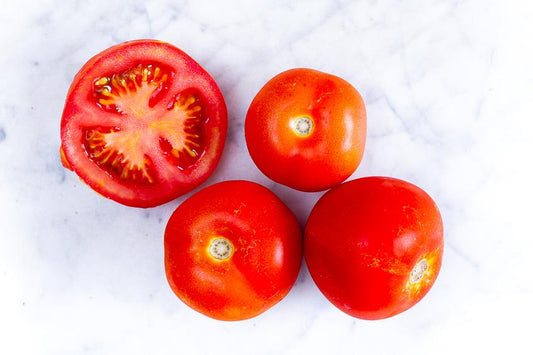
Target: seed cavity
117, 151
187, 140
303, 126
418, 271
220, 249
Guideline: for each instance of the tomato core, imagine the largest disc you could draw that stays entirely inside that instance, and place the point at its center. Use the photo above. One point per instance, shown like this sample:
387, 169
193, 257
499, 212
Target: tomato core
303, 126
220, 249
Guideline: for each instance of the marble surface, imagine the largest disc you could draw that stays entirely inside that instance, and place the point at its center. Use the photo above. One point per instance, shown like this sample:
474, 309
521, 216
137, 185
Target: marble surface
448, 91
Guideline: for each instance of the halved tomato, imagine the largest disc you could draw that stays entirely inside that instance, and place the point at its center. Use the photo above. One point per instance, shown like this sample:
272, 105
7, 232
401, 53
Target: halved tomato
143, 123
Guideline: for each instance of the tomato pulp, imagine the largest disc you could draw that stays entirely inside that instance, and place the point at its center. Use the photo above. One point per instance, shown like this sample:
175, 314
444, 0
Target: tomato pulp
143, 123
232, 250
306, 129
374, 246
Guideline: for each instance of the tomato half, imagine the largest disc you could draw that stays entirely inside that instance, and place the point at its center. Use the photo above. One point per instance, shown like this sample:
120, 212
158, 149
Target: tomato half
374, 246
306, 129
143, 123
232, 250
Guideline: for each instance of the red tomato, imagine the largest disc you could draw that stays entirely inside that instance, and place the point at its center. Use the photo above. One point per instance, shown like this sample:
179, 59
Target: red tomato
232, 250
306, 129
374, 246
143, 123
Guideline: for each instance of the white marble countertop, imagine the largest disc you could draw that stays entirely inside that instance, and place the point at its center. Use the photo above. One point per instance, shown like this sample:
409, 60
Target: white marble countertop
448, 88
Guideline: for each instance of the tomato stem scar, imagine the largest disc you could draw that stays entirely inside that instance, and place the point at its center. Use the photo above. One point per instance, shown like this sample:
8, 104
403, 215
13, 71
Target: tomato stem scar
220, 248
302, 126
417, 273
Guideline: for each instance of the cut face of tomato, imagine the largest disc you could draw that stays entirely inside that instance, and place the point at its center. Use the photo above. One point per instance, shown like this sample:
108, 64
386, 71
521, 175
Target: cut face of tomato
143, 123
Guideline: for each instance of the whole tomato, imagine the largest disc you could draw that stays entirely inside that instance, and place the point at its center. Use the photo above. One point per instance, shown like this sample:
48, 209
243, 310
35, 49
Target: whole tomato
232, 250
374, 246
306, 129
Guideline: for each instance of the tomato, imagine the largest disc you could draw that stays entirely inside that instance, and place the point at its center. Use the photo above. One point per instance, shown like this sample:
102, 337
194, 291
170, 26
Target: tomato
374, 246
143, 123
306, 129
232, 250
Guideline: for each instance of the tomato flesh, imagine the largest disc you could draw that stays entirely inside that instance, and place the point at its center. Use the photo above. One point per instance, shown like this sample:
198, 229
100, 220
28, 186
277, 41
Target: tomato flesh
146, 129
374, 246
232, 250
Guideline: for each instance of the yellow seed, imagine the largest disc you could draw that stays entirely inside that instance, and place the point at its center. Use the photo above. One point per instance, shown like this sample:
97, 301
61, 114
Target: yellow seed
114, 83
175, 152
145, 74
146, 175
100, 153
124, 84
192, 153
105, 102
102, 81
109, 155
118, 85
190, 101
193, 143
116, 161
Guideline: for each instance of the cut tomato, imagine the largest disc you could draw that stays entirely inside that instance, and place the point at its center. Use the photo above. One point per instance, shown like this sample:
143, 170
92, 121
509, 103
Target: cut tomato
143, 123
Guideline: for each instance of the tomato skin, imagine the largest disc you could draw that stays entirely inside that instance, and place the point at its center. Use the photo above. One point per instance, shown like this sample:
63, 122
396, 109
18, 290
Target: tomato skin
333, 149
267, 250
82, 111
363, 240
